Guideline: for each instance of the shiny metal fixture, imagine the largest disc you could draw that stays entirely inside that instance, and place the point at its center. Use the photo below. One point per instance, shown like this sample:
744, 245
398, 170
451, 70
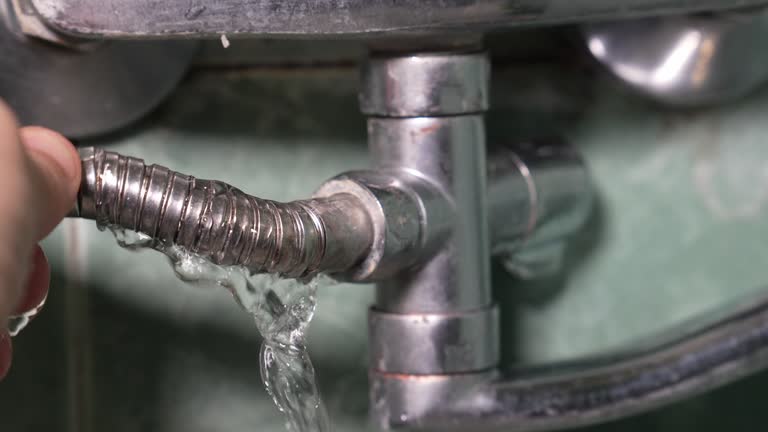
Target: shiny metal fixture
220, 222
424, 220
687, 60
142, 19
531, 239
422, 224
45, 84
417, 223
426, 118
723, 346
351, 231
83, 89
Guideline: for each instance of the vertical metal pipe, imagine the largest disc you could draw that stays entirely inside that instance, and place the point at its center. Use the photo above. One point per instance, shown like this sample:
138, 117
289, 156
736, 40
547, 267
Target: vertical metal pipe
433, 322
426, 117
449, 152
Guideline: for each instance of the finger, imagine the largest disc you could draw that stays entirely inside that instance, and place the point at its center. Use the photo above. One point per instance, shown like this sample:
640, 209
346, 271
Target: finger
39, 172
18, 227
57, 167
38, 282
5, 354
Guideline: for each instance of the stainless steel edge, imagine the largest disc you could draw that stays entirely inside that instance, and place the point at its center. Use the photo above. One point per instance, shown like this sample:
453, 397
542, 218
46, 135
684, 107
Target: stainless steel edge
143, 19
713, 350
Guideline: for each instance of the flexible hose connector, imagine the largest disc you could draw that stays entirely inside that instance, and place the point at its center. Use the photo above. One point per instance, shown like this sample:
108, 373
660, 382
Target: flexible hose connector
220, 222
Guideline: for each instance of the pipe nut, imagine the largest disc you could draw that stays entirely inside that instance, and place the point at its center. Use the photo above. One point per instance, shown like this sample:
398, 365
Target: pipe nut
409, 218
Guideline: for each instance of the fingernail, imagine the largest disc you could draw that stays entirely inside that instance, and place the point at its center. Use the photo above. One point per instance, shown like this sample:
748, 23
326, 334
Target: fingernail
54, 146
5, 354
38, 281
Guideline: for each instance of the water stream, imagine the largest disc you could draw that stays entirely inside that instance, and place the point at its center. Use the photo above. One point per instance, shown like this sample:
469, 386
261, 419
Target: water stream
281, 308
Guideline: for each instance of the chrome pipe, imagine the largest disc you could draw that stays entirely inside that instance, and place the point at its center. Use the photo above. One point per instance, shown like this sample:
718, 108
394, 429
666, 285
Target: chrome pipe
117, 189
219, 222
426, 118
417, 224
448, 153
539, 193
712, 350
553, 190
422, 224
716, 349
436, 318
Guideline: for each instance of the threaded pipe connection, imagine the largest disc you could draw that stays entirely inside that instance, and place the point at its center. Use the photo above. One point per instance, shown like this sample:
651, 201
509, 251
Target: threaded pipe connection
222, 223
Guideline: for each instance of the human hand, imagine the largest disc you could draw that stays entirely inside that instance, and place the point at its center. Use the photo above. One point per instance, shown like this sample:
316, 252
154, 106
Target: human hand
40, 175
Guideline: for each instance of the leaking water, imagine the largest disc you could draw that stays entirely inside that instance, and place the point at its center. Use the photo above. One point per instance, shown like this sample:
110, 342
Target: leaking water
17, 323
281, 308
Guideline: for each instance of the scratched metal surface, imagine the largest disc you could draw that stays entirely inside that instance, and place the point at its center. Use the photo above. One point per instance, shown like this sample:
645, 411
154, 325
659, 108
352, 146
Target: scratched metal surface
340, 18
683, 206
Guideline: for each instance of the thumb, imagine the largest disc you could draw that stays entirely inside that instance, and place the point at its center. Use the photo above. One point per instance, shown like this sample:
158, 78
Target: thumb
40, 173
55, 165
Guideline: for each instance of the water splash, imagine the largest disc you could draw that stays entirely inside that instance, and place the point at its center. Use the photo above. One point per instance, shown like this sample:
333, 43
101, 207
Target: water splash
130, 239
282, 310
17, 323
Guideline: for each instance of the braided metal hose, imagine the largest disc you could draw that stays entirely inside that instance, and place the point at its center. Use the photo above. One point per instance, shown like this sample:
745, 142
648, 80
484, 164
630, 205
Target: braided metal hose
220, 222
